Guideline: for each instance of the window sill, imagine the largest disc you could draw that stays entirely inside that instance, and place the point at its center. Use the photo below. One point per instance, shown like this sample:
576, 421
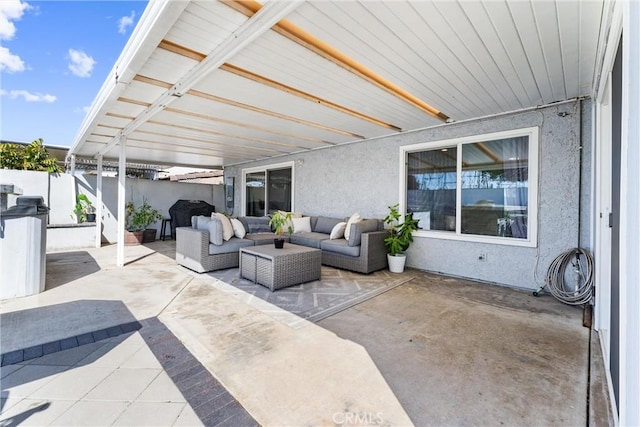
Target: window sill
489, 240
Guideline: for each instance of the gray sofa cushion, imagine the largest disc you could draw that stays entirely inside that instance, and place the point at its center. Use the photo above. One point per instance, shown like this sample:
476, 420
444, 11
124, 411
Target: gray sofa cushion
311, 240
214, 226
364, 226
314, 221
255, 224
340, 246
200, 222
325, 224
232, 245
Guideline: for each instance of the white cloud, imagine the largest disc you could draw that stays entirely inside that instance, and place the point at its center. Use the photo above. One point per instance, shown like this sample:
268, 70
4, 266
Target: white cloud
28, 96
125, 22
83, 110
80, 63
9, 62
10, 10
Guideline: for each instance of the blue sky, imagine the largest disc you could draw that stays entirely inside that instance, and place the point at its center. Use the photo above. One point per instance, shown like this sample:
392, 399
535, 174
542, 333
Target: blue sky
54, 57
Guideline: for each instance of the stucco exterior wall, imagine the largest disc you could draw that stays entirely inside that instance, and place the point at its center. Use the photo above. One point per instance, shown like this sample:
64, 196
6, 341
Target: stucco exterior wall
59, 193
364, 177
160, 194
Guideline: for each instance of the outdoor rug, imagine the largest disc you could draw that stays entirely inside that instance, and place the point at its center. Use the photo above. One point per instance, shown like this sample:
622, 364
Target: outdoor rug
337, 290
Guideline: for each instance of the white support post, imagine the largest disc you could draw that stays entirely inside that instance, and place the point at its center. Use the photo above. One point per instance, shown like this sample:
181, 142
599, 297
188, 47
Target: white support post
122, 175
99, 203
629, 391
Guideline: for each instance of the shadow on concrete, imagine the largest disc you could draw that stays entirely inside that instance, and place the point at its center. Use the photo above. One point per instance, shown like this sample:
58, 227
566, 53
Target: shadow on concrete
20, 418
24, 329
66, 359
65, 267
61, 331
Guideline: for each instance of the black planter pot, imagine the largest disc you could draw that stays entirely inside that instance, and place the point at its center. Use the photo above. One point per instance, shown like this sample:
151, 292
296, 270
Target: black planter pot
91, 217
279, 243
150, 235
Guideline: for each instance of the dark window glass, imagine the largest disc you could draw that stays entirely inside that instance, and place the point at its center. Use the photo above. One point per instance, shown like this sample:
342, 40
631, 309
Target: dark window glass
431, 188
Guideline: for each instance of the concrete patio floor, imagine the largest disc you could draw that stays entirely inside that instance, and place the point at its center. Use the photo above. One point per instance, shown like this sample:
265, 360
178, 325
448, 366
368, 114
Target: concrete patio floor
433, 351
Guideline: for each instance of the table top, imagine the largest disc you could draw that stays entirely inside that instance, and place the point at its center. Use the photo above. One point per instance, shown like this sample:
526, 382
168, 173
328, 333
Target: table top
270, 250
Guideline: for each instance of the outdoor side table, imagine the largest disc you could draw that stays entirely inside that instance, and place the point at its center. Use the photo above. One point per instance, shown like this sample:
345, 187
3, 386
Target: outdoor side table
279, 268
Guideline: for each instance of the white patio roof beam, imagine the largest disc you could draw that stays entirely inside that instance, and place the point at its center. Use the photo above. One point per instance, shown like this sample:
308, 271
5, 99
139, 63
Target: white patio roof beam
254, 27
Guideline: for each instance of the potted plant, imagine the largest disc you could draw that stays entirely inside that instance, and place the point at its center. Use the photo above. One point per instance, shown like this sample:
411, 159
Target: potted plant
400, 237
84, 209
134, 233
280, 222
142, 217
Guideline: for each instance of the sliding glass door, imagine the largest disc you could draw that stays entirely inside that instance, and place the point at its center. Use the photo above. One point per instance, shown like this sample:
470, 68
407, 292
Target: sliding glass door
279, 190
268, 190
255, 193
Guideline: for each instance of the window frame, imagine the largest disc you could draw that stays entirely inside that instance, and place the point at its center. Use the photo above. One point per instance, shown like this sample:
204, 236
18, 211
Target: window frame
265, 169
533, 186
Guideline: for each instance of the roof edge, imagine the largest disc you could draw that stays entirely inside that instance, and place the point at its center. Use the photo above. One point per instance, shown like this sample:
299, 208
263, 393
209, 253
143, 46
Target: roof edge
156, 20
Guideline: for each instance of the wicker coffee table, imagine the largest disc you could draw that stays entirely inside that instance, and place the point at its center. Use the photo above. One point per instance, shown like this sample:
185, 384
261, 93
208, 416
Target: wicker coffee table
279, 268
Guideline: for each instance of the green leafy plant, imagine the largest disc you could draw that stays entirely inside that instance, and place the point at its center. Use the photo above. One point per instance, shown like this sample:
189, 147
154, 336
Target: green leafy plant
400, 232
140, 218
83, 207
33, 157
280, 222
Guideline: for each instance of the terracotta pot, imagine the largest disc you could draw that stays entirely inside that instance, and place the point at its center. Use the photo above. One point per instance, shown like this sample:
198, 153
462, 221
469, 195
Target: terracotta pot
133, 237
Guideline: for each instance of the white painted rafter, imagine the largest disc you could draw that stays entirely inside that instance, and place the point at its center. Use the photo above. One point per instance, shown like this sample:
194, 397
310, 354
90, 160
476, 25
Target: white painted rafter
262, 21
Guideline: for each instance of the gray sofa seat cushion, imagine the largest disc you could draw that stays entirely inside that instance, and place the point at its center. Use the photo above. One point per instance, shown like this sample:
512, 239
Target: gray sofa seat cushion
264, 238
311, 240
255, 224
232, 245
325, 224
340, 246
364, 226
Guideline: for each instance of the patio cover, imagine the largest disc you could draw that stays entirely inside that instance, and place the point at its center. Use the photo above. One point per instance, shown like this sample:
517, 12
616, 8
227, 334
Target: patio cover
214, 83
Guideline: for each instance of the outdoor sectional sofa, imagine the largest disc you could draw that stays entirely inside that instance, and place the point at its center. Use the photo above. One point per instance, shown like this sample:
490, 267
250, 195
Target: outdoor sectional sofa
200, 247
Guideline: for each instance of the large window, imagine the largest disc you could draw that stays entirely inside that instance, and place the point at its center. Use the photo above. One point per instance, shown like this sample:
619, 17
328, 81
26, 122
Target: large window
268, 189
481, 188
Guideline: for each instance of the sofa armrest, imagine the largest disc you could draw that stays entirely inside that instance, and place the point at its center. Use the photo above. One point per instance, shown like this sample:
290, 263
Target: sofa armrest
192, 243
373, 241
373, 250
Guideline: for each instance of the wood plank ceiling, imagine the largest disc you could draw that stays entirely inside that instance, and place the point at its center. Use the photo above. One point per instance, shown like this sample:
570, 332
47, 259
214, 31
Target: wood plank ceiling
332, 72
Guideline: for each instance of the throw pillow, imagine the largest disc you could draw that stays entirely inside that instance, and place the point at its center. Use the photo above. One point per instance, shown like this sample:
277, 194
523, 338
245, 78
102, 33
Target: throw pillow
227, 228
238, 228
354, 219
338, 231
201, 222
301, 225
214, 226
